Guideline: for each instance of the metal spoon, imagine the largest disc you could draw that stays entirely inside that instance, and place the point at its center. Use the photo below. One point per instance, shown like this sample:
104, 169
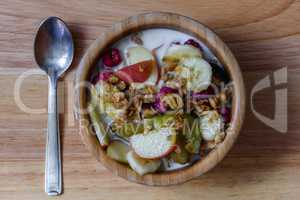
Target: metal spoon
53, 51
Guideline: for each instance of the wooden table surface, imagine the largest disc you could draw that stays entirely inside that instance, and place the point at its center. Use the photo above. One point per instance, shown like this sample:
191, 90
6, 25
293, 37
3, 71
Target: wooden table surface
264, 164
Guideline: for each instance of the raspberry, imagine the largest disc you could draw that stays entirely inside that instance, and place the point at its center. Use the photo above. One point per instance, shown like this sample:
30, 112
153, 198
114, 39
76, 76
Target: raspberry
112, 58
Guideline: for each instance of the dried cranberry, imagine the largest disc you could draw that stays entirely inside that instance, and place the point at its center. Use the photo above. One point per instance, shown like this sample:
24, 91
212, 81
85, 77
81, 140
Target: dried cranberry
166, 90
192, 43
226, 113
112, 58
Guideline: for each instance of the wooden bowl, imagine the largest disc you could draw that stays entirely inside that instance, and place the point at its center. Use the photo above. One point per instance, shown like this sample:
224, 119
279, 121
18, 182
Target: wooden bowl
195, 29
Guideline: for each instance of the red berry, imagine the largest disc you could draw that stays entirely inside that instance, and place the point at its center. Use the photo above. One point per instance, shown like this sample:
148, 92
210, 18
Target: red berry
112, 58
193, 43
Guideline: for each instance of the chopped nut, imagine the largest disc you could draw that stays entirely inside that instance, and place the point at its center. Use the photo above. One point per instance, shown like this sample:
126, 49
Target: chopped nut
174, 112
130, 92
222, 97
131, 113
219, 138
113, 80
149, 112
149, 89
179, 120
118, 96
121, 85
137, 102
121, 104
166, 76
173, 84
213, 103
174, 101
149, 98
117, 124
148, 127
200, 106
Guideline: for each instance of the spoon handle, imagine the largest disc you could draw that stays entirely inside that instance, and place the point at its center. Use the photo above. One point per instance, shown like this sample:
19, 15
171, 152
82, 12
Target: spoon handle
53, 179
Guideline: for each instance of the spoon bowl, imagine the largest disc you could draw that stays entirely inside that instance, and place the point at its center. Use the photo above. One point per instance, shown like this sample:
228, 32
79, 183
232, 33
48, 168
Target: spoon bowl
53, 51
53, 46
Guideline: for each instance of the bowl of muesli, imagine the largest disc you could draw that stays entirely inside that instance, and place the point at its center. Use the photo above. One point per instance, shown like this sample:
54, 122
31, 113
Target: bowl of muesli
160, 99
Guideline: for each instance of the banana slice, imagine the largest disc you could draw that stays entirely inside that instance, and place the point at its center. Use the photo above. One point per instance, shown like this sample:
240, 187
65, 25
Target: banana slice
138, 54
210, 125
140, 165
176, 53
196, 71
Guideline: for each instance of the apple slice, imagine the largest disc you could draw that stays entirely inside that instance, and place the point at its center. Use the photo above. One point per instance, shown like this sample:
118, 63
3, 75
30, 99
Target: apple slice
152, 80
138, 54
118, 151
140, 165
97, 125
136, 73
154, 144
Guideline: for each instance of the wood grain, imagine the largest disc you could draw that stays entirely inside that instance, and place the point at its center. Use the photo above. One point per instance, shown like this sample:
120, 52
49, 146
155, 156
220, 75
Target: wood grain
263, 164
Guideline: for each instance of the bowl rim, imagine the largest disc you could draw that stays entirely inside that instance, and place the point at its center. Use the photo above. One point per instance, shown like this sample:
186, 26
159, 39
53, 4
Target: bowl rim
193, 28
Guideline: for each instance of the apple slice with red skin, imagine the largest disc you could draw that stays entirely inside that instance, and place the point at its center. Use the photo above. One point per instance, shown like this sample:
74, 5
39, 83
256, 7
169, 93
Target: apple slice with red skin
138, 54
137, 73
155, 144
153, 79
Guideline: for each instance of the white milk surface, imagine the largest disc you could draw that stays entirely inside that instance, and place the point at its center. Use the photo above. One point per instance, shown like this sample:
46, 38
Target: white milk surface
153, 38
